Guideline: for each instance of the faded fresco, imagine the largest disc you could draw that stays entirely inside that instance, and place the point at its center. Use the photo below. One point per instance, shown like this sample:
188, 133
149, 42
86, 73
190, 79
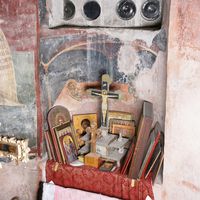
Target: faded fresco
8, 88
17, 93
83, 58
72, 62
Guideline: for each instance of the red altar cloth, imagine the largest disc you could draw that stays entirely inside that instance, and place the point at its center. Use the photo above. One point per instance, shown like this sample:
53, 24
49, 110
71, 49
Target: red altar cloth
93, 180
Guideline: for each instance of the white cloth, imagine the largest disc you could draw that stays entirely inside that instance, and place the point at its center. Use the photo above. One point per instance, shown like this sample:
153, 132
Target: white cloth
54, 192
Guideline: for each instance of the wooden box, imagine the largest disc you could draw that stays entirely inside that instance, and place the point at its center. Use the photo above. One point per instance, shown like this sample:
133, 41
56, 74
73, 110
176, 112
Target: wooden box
92, 159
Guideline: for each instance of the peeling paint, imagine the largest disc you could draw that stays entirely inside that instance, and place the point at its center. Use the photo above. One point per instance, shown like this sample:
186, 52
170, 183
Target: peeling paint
160, 40
20, 120
18, 22
147, 59
86, 57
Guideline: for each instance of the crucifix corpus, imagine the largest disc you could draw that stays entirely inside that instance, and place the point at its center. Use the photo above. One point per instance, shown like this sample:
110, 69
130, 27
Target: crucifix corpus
108, 146
105, 94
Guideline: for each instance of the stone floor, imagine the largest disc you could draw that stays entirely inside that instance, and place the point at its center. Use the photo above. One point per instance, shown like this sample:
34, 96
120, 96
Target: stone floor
19, 180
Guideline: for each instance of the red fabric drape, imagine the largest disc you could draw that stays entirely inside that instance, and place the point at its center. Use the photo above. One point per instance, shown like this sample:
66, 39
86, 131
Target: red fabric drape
93, 180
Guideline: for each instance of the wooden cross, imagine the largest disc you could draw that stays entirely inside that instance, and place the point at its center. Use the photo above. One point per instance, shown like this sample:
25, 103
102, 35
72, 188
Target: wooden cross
105, 94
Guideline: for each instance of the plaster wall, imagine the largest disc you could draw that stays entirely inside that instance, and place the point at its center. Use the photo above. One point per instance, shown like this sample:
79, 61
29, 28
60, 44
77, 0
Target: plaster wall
182, 147
141, 58
19, 180
18, 22
181, 169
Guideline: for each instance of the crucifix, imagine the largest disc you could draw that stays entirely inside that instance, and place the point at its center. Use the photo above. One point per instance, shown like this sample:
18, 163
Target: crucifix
105, 94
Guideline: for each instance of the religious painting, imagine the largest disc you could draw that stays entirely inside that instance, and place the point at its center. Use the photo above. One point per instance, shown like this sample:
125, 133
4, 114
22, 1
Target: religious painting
18, 115
60, 131
124, 127
108, 166
8, 88
6, 149
13, 148
76, 58
68, 148
58, 115
73, 60
80, 123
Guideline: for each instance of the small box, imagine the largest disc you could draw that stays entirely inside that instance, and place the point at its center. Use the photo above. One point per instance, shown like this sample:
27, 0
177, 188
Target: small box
103, 143
92, 159
108, 166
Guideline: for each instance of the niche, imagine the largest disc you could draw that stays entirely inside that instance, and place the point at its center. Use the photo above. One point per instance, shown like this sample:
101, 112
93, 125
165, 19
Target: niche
129, 45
